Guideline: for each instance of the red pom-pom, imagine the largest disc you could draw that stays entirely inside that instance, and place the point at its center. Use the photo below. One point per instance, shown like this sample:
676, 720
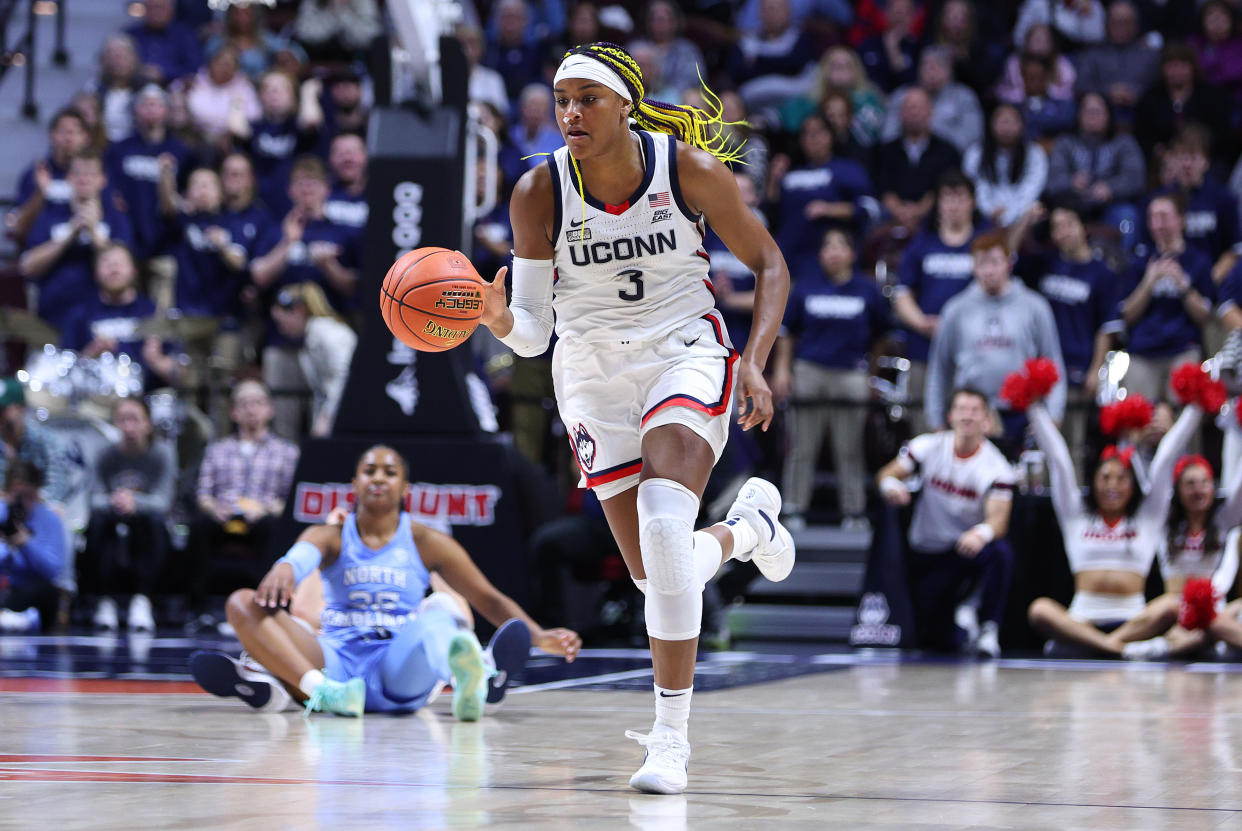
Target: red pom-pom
1198, 608
1041, 376
1033, 382
1187, 380
1135, 413
1015, 389
1108, 418
1212, 396
1131, 413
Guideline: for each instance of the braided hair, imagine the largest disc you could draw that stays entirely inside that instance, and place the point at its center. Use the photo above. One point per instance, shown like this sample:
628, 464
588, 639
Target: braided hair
703, 129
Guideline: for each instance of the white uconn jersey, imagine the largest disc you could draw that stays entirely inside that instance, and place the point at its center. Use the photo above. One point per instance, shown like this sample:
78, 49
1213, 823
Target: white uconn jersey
628, 272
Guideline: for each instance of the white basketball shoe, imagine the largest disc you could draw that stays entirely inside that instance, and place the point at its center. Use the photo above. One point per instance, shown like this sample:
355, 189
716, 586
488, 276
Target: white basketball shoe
666, 767
759, 504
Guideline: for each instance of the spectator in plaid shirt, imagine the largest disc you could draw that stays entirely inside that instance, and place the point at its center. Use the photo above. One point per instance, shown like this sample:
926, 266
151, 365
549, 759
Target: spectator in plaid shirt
242, 485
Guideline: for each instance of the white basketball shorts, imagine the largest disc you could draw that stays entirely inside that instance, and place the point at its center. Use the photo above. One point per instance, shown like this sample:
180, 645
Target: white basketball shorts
610, 395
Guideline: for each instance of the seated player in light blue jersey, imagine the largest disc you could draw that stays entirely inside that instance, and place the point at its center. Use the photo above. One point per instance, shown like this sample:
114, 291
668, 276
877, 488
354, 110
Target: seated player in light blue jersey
385, 646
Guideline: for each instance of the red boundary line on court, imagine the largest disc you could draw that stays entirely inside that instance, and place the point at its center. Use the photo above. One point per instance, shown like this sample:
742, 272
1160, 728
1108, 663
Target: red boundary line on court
41, 775
98, 685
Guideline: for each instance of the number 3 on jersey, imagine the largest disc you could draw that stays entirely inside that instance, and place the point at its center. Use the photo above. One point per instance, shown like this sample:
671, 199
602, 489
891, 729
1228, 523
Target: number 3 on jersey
634, 292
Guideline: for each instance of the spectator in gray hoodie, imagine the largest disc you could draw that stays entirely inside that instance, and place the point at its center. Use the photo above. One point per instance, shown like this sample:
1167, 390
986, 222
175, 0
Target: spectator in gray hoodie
988, 331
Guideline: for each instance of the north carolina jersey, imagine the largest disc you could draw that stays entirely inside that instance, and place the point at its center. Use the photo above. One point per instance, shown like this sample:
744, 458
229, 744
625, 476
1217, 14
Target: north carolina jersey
368, 589
954, 488
628, 272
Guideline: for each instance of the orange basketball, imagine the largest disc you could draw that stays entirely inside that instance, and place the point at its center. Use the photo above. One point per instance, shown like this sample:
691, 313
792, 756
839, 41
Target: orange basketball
432, 299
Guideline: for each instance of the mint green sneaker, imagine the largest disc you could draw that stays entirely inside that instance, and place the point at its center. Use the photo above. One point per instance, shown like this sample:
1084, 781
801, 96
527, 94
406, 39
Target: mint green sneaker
470, 674
347, 698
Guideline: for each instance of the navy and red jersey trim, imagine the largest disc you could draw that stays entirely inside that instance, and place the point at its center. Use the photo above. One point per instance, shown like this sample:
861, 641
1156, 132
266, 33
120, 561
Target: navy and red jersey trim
556, 197
674, 181
717, 407
611, 474
648, 174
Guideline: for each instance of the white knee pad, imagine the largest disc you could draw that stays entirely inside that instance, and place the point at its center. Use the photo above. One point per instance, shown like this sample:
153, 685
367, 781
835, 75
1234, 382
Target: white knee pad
666, 514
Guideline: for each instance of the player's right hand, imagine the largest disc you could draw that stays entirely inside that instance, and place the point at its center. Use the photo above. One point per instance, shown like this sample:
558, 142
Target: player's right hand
897, 496
754, 398
277, 587
495, 302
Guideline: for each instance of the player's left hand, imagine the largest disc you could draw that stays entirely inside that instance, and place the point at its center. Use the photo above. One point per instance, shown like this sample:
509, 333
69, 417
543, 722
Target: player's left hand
754, 398
558, 642
970, 543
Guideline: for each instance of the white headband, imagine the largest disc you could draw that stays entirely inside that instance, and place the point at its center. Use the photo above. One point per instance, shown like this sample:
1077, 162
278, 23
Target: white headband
580, 66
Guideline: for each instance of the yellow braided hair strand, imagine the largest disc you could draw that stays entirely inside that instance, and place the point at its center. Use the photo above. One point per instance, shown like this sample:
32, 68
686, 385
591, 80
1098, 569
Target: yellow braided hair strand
704, 129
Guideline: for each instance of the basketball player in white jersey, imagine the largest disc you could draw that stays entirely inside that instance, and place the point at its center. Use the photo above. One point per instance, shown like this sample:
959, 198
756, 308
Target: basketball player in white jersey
607, 233
956, 534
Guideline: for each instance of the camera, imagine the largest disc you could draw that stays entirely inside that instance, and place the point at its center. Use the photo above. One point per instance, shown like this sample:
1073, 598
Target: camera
12, 517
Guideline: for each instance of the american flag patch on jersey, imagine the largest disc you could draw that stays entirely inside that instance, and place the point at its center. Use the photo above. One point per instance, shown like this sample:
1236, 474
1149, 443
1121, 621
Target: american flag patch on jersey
658, 200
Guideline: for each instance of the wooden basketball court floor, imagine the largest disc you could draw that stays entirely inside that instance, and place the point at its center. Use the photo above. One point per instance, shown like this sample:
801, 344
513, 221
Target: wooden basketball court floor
833, 740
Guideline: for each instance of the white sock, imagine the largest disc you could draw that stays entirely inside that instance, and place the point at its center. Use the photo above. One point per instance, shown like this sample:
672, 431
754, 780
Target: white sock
311, 681
707, 556
673, 709
745, 537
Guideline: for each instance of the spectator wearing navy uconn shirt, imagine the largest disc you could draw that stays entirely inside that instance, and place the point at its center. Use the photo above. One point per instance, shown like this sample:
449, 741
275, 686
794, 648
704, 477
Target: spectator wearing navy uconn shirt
1229, 298
823, 192
935, 267
286, 130
247, 220
833, 317
1167, 296
344, 109
134, 170
732, 279
46, 180
110, 318
518, 59
63, 243
1211, 208
1082, 291
347, 203
169, 49
307, 249
211, 265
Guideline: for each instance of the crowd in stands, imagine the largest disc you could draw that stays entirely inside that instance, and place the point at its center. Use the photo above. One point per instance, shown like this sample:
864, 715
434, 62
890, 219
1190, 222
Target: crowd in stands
962, 185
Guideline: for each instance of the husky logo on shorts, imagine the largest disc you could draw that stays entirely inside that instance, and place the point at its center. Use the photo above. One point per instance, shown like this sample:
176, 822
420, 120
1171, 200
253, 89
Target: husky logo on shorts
584, 446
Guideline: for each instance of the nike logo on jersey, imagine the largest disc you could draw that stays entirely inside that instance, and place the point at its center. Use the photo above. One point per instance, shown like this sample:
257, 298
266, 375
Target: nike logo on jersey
691, 342
574, 223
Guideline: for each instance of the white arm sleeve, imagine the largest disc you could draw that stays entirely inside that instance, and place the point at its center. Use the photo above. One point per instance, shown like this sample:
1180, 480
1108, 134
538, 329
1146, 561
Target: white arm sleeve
1160, 475
531, 305
1227, 571
1230, 513
1066, 496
